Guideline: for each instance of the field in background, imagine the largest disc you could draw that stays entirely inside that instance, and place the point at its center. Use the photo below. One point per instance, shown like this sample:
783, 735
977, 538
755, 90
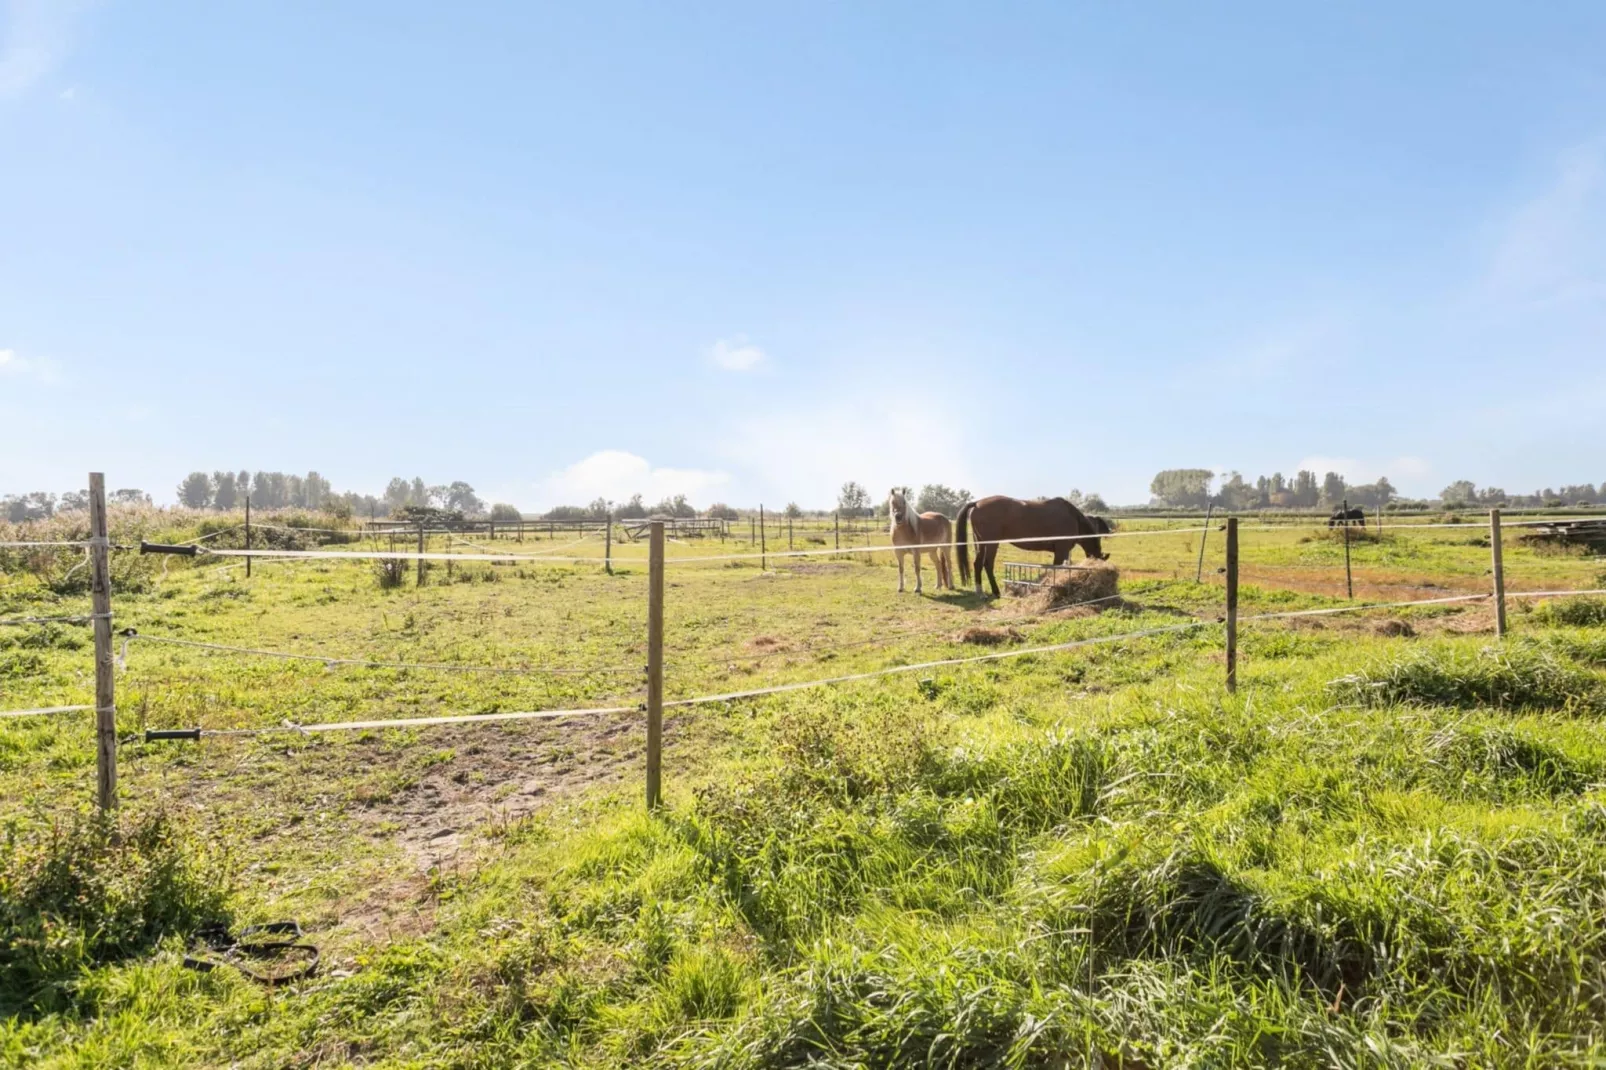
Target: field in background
1383, 849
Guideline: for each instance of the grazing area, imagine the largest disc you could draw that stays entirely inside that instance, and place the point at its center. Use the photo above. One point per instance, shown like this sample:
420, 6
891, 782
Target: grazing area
1387, 848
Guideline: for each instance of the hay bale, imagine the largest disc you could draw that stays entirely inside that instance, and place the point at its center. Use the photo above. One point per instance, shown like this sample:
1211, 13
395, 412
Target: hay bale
1097, 583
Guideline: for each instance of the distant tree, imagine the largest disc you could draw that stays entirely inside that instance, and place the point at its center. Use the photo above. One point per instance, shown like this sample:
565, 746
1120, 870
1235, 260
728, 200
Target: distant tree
130, 496
599, 509
793, 511
1333, 489
1461, 492
225, 491
677, 506
460, 498
35, 505
853, 500
721, 511
503, 513
1095, 503
419, 494
1183, 488
634, 509
566, 512
397, 493
196, 491
1235, 494
316, 490
1307, 493
270, 490
74, 501
937, 498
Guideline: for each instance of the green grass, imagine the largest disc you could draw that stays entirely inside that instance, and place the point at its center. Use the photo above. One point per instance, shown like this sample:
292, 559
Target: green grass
1380, 852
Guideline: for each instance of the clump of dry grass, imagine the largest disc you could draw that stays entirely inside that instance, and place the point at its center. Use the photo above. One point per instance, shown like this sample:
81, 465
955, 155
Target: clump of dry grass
990, 636
1394, 629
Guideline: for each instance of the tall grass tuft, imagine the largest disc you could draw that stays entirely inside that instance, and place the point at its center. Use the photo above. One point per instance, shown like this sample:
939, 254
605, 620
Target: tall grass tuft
1577, 612
1517, 677
93, 891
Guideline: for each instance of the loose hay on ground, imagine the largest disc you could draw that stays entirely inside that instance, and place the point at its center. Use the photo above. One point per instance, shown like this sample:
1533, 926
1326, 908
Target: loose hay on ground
990, 636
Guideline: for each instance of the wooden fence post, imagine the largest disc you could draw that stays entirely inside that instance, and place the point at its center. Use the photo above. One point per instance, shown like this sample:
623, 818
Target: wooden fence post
420, 553
763, 542
1349, 578
1232, 604
100, 590
607, 543
836, 527
655, 665
789, 545
1499, 574
248, 532
1198, 575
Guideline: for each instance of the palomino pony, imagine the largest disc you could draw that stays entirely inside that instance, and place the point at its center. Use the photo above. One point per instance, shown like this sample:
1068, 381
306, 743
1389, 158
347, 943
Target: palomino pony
911, 531
999, 519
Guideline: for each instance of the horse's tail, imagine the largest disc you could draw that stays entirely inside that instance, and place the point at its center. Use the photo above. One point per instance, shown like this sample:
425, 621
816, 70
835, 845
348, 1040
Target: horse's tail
962, 540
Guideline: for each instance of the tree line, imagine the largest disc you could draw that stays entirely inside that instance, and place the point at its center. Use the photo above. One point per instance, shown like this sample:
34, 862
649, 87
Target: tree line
1190, 488
223, 491
1173, 488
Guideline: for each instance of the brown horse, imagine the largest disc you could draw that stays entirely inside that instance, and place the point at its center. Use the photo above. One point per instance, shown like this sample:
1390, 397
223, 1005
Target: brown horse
999, 519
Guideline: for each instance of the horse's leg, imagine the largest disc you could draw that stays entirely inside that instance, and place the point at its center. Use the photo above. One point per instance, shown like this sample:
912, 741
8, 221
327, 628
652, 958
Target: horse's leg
944, 574
918, 588
981, 561
899, 555
992, 578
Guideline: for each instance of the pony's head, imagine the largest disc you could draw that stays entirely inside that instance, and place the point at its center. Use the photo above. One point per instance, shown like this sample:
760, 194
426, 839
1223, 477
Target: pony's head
898, 505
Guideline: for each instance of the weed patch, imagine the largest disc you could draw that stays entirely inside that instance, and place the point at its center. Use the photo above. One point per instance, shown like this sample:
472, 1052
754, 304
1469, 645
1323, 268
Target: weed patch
91, 892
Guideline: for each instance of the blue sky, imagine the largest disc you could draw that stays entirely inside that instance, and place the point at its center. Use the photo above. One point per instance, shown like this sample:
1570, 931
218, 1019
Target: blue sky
749, 251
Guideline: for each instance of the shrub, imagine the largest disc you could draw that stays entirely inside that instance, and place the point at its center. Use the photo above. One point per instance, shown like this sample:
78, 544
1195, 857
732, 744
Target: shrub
503, 513
390, 573
95, 891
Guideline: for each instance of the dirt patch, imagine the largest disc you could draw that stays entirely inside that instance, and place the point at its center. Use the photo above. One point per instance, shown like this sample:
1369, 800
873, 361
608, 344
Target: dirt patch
499, 776
764, 642
813, 568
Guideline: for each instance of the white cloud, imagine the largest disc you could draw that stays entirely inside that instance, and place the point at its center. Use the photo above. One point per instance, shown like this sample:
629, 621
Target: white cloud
15, 366
616, 475
34, 38
806, 454
1549, 249
735, 354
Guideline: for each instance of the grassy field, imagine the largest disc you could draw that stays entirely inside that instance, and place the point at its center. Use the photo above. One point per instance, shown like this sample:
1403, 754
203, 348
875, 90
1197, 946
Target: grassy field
1388, 849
